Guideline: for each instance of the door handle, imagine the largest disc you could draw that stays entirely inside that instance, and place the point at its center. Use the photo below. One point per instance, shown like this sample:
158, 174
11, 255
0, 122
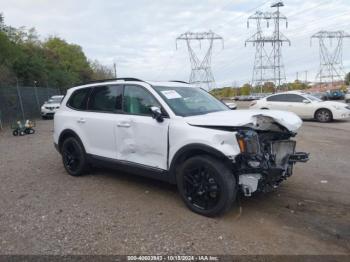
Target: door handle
123, 124
81, 121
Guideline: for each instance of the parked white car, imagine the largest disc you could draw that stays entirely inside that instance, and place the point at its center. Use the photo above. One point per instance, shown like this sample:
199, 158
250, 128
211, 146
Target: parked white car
231, 105
304, 105
347, 97
49, 108
177, 133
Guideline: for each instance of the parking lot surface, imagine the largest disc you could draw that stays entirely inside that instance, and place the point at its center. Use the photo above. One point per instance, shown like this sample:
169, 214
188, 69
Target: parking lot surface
43, 210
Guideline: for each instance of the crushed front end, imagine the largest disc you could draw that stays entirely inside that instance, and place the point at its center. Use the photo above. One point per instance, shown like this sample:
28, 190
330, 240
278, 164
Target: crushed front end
267, 158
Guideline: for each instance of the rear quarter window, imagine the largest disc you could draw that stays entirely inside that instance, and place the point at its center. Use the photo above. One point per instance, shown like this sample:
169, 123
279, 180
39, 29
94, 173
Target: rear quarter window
78, 99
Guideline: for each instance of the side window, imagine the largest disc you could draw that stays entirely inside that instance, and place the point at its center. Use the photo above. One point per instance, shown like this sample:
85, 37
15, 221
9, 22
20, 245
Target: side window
137, 100
79, 98
276, 98
294, 98
106, 99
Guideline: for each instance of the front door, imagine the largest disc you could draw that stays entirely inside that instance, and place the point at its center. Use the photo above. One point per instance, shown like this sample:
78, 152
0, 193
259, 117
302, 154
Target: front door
141, 139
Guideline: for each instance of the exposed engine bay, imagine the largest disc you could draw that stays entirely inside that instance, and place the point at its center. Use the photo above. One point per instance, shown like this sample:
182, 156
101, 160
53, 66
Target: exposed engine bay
266, 160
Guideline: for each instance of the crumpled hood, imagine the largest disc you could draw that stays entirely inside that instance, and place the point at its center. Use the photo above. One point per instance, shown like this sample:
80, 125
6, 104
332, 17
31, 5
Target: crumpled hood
257, 119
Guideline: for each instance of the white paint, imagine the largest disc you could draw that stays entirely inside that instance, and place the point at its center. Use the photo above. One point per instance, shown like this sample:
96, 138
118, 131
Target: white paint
254, 118
249, 183
304, 110
143, 140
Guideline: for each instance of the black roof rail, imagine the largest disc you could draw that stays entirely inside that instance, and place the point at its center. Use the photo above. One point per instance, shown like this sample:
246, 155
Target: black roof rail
179, 81
114, 79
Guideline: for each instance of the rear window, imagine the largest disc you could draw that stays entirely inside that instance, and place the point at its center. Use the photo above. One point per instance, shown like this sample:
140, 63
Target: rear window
79, 99
106, 99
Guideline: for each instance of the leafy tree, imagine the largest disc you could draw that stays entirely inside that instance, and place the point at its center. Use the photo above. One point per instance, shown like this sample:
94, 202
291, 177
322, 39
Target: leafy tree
100, 71
53, 62
347, 79
245, 89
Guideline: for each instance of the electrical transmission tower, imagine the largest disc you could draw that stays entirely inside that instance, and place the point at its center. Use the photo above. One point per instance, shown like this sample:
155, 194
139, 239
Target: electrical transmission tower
268, 64
331, 58
201, 73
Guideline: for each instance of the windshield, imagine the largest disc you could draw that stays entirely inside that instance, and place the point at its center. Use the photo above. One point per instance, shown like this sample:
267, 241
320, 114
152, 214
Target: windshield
190, 101
55, 100
312, 98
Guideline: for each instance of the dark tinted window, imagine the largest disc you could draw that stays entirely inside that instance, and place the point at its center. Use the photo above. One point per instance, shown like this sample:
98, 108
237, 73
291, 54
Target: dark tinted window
137, 100
276, 98
286, 98
78, 99
106, 99
294, 98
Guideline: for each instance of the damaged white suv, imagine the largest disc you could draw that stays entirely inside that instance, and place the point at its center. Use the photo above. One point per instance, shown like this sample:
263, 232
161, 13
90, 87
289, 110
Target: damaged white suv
177, 133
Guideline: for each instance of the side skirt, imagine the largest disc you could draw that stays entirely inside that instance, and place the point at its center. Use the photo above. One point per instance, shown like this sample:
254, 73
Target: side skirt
131, 167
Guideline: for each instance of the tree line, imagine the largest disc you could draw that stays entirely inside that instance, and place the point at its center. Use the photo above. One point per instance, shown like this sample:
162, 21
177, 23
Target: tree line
247, 89
268, 87
51, 62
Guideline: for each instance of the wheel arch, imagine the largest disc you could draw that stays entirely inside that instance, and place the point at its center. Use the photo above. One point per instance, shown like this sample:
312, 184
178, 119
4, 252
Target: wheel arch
195, 149
66, 134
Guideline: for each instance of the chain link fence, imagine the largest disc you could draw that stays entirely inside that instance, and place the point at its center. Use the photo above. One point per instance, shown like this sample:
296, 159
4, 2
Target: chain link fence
19, 102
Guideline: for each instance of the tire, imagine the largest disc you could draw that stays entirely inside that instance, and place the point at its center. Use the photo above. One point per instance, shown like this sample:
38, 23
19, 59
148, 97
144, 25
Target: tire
29, 131
206, 185
74, 157
323, 115
15, 133
347, 101
43, 117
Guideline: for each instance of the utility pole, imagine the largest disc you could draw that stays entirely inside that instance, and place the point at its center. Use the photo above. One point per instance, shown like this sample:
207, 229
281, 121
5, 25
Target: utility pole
297, 76
268, 66
36, 95
331, 59
306, 76
201, 72
115, 69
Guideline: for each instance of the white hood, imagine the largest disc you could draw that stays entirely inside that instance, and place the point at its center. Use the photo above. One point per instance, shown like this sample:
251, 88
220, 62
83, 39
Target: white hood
333, 103
257, 119
52, 104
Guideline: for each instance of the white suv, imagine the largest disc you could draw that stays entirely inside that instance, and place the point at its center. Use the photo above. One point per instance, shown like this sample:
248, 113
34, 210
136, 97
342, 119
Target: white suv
49, 108
177, 133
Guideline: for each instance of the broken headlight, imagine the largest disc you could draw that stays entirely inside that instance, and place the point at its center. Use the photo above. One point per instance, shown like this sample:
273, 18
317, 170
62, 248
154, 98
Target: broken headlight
248, 142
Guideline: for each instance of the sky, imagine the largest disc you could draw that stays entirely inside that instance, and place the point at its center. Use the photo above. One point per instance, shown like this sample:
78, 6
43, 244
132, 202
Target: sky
139, 35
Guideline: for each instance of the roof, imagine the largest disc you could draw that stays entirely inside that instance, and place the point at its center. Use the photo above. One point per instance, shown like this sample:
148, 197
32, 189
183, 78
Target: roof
135, 81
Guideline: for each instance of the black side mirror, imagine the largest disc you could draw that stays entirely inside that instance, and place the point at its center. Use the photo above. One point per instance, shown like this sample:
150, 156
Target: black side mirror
157, 113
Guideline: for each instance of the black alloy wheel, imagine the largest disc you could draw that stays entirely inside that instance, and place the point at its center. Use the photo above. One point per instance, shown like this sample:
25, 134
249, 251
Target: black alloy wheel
206, 185
73, 156
201, 188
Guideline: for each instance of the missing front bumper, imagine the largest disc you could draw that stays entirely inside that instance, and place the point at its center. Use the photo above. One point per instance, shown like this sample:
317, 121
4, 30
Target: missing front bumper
270, 173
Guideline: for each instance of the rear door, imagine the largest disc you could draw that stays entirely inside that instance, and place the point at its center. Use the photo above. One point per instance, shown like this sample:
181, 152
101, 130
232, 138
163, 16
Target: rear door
277, 102
140, 139
104, 110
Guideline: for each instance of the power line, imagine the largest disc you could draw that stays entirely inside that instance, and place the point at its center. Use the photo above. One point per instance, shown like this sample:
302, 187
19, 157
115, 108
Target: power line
201, 72
331, 59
